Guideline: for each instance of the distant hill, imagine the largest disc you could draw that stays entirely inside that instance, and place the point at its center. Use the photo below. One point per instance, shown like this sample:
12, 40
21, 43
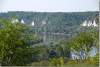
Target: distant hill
57, 25
55, 21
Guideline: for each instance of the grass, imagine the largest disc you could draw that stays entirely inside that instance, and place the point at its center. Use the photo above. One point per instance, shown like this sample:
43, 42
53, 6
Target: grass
47, 64
81, 65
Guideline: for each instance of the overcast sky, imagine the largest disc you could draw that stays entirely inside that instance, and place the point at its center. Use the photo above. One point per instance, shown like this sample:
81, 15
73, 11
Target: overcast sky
49, 5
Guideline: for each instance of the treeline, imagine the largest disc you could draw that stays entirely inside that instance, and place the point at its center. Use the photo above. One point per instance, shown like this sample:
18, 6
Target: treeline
61, 22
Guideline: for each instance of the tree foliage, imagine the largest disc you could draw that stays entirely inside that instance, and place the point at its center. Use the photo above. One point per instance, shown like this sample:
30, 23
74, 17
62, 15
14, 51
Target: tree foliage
13, 47
83, 42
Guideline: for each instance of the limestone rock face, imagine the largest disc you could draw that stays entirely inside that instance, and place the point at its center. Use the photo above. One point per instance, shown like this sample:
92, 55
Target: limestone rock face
32, 23
22, 21
89, 23
15, 20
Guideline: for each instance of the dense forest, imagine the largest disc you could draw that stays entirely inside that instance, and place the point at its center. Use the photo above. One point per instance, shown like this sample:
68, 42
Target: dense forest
56, 39
61, 22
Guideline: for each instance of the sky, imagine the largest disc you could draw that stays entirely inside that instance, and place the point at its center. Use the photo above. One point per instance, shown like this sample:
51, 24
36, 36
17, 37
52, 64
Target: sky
49, 5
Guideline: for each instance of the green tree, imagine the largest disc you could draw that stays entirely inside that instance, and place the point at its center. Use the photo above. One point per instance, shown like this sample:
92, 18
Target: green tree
82, 42
13, 47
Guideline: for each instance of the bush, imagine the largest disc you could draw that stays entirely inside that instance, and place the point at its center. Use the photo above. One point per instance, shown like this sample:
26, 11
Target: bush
93, 61
44, 63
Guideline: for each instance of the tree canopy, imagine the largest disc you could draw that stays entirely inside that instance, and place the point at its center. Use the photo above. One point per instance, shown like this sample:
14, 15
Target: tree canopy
14, 49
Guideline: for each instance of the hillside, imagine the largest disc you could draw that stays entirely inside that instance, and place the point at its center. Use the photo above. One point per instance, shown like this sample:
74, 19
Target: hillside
56, 25
55, 22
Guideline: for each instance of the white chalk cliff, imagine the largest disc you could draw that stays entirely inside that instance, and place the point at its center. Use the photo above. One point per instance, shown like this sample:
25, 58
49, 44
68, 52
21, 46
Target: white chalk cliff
32, 23
89, 23
15, 20
22, 21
